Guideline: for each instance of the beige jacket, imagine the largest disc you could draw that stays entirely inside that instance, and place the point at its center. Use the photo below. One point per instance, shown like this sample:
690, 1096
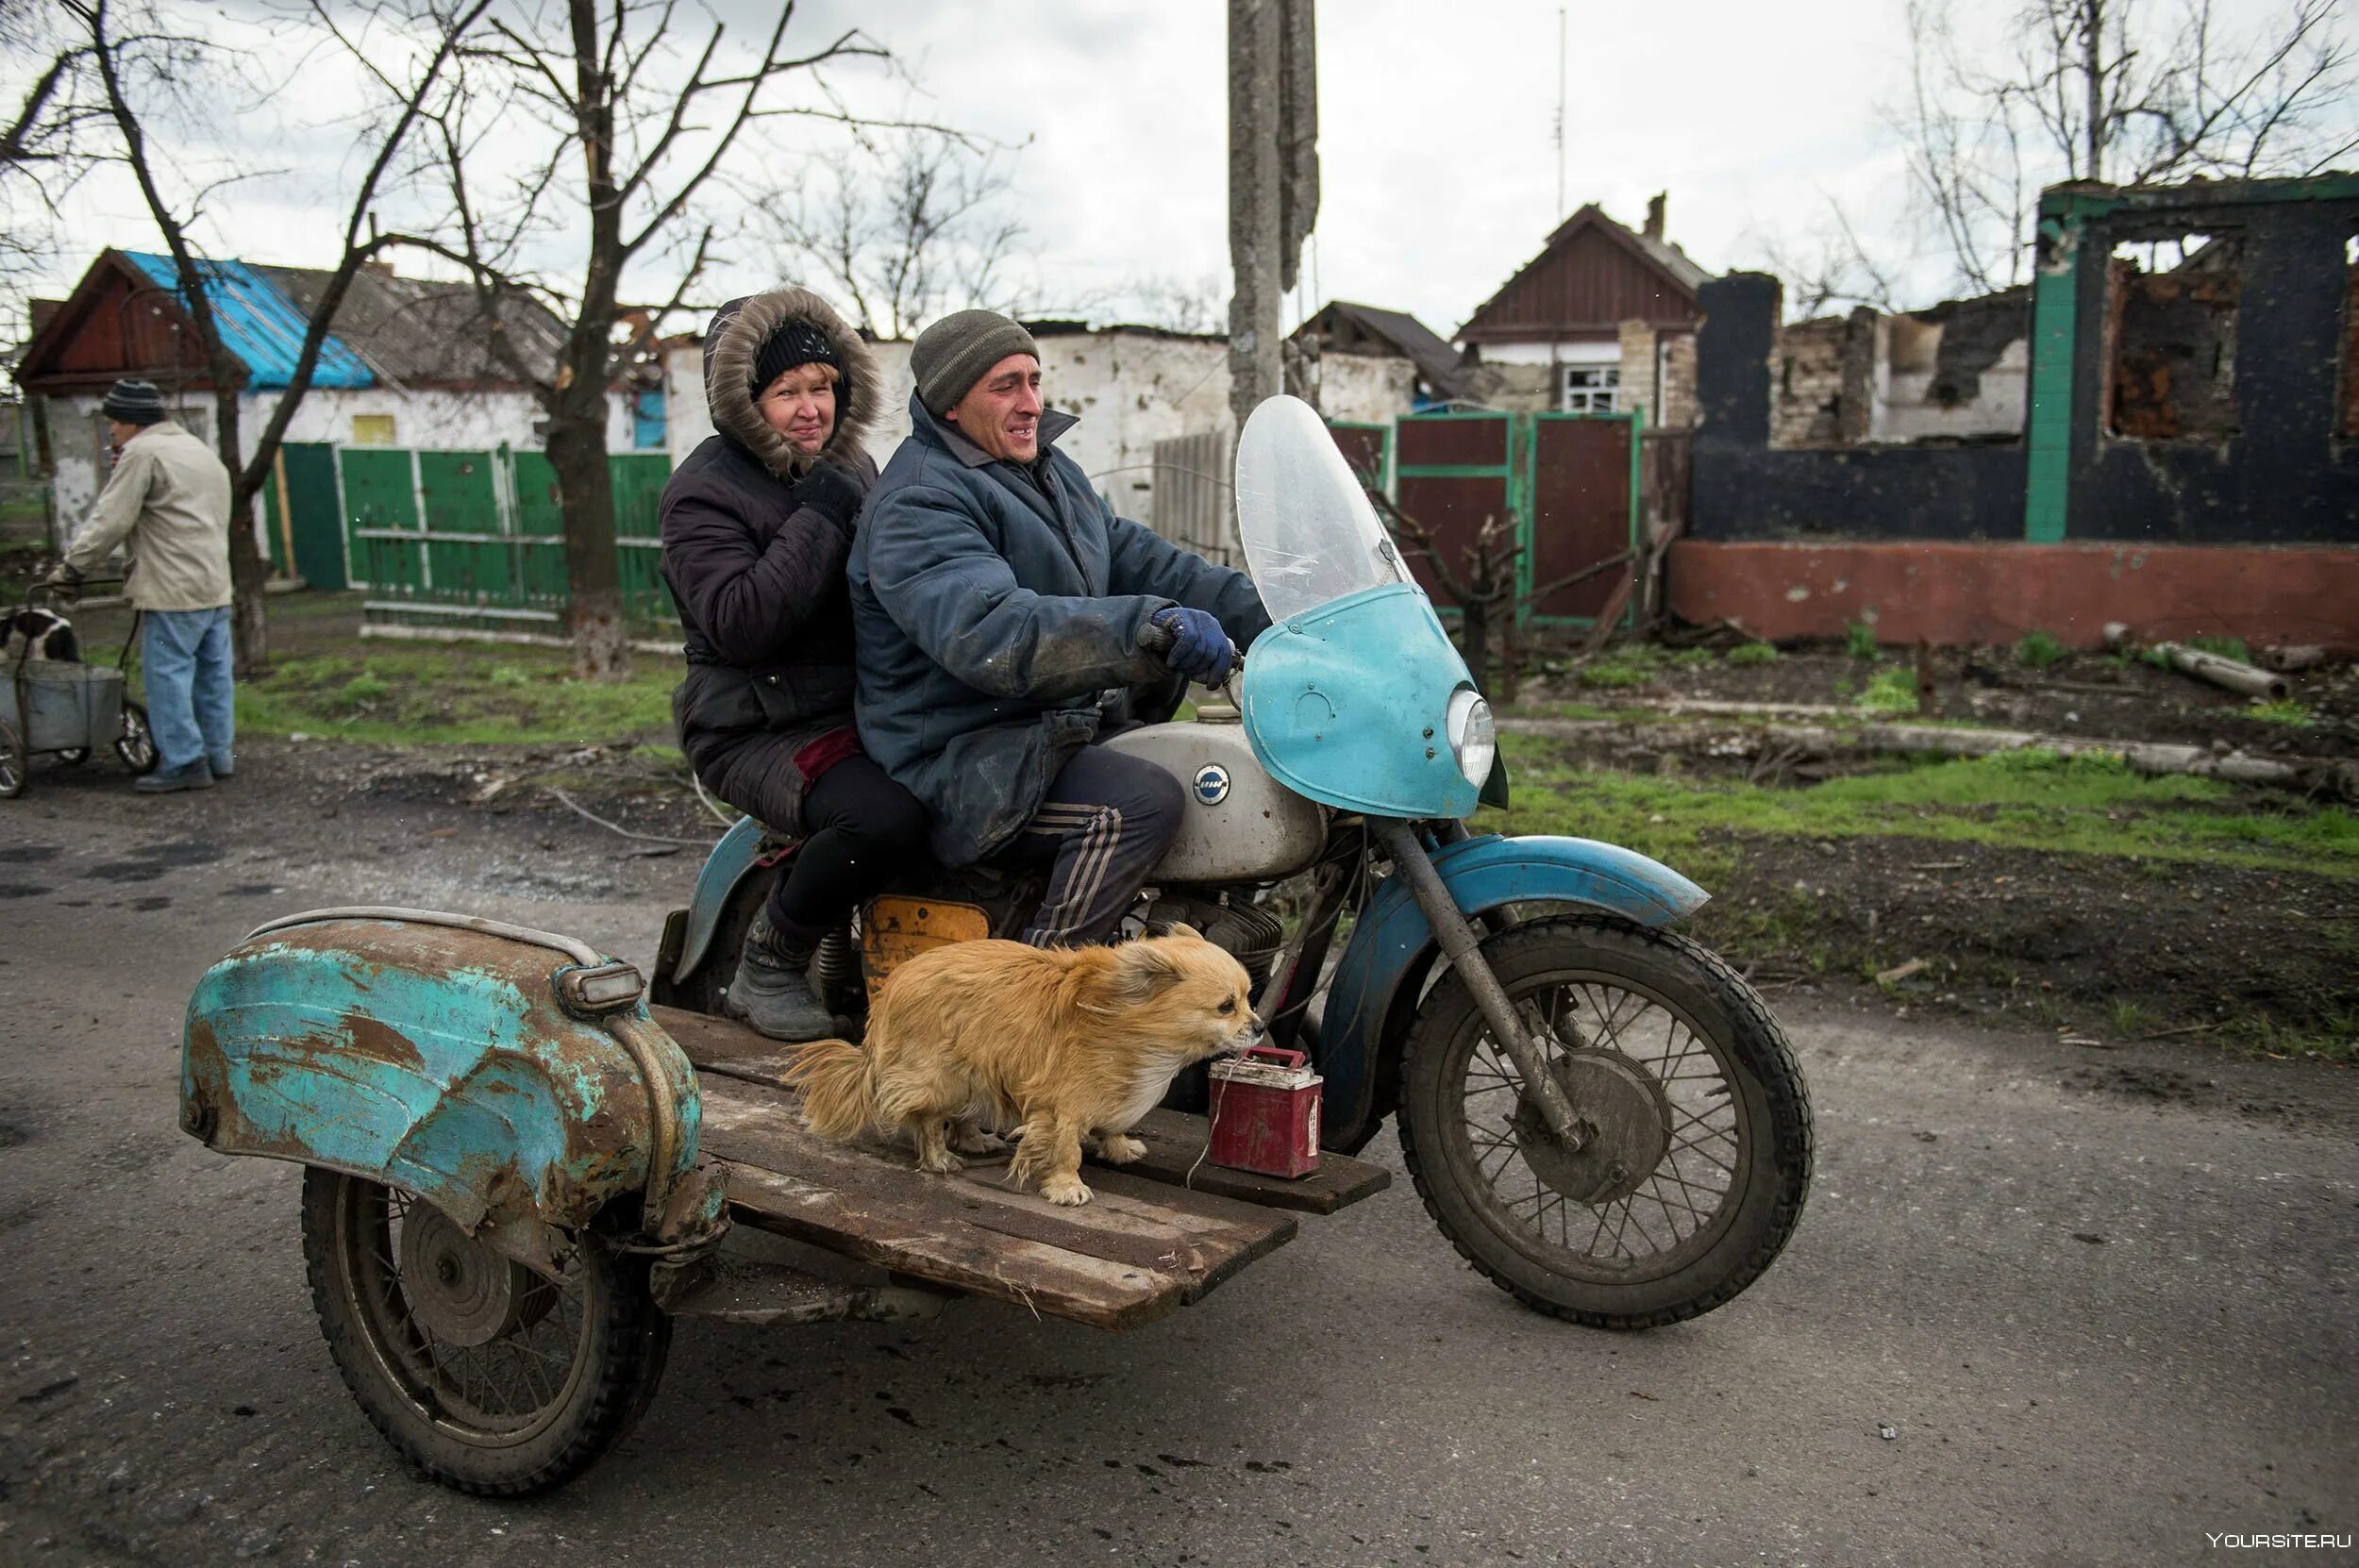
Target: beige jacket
168, 501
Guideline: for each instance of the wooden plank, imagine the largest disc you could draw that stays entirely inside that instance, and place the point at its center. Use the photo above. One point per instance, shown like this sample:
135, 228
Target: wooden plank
1138, 1251
1173, 1138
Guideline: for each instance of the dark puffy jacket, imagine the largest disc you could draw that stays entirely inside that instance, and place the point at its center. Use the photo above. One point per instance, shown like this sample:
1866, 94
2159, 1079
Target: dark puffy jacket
760, 580
998, 609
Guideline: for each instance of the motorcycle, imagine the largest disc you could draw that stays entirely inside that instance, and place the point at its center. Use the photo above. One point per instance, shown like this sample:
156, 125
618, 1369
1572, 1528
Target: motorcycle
523, 1157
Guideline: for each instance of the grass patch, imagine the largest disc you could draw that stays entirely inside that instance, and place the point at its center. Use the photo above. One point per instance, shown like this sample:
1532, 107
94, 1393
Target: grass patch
1858, 640
2226, 647
1753, 653
2020, 799
2038, 650
457, 694
2284, 710
1688, 659
1615, 674
1891, 690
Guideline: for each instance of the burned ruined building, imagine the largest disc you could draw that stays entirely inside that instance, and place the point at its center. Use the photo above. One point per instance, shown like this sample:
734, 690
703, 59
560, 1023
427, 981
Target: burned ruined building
2162, 429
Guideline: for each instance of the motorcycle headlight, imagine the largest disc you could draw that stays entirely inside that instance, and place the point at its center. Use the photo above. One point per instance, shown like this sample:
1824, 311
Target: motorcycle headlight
1472, 739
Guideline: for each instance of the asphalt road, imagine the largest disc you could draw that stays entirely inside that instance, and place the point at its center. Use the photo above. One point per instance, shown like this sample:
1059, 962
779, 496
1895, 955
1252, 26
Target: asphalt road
2103, 1300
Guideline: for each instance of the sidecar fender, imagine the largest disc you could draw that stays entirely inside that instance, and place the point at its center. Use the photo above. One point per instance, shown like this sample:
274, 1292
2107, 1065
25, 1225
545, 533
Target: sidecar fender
438, 1055
1392, 946
729, 862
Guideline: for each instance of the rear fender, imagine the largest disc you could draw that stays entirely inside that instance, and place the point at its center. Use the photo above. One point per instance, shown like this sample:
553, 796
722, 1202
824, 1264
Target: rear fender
1393, 949
437, 1055
731, 862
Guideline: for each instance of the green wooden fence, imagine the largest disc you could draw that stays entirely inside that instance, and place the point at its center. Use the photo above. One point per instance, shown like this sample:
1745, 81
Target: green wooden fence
472, 541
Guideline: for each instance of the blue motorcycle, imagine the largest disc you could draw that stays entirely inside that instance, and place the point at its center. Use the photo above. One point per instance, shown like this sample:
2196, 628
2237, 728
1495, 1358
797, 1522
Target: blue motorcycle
525, 1158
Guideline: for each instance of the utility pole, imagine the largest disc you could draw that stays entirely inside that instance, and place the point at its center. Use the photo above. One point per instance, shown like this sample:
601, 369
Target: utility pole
1272, 183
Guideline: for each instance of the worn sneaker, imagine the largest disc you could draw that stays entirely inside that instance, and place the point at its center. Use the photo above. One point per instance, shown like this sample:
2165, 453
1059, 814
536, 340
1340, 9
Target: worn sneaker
164, 781
224, 769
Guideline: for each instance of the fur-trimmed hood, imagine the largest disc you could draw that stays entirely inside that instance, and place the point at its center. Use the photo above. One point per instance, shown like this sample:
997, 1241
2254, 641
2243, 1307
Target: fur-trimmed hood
734, 340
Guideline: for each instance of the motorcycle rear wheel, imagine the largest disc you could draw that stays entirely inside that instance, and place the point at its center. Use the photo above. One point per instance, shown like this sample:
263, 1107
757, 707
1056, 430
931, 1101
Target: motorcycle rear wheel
1699, 1151
484, 1375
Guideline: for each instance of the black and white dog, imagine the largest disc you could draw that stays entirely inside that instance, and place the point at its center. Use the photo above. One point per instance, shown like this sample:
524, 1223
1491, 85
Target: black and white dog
40, 634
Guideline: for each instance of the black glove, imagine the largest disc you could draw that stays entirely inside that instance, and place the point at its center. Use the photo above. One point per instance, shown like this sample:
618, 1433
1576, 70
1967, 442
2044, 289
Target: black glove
831, 492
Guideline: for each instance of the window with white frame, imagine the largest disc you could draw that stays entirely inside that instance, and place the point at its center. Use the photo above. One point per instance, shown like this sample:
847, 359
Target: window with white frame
1590, 389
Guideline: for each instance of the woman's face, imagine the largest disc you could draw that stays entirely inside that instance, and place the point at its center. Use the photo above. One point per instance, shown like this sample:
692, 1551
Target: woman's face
800, 405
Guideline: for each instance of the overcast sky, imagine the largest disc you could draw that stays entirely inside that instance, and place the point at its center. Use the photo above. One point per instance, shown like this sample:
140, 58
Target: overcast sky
1439, 174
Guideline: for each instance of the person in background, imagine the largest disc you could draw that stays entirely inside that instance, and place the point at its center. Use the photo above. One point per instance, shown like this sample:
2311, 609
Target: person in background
167, 504
757, 524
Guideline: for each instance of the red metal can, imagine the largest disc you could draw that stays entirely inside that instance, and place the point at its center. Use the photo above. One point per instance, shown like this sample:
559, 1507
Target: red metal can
1266, 1113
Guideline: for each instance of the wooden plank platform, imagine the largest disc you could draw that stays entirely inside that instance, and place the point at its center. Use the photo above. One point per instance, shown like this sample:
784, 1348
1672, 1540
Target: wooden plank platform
1139, 1250
1174, 1140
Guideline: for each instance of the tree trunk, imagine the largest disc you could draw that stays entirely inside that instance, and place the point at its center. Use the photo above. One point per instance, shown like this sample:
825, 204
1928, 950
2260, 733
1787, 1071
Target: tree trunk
585, 498
250, 618
1473, 639
2093, 67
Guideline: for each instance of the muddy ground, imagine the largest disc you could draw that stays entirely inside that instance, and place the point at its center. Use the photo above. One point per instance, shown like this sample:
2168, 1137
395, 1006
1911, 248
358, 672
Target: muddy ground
2095, 696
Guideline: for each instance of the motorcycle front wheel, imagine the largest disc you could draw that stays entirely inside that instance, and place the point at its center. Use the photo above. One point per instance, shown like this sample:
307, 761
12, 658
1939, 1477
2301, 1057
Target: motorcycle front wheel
1694, 1156
482, 1374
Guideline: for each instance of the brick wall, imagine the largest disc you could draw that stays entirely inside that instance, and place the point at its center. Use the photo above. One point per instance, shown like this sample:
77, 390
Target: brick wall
1647, 352
1806, 370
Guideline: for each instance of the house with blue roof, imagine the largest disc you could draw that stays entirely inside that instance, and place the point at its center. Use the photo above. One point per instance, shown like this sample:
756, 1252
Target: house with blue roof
407, 363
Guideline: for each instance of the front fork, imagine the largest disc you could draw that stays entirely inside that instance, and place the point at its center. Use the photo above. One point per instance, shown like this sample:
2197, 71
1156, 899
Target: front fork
1464, 948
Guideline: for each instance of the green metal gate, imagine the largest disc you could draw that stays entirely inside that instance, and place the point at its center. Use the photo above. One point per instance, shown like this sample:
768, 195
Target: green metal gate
473, 540
1567, 482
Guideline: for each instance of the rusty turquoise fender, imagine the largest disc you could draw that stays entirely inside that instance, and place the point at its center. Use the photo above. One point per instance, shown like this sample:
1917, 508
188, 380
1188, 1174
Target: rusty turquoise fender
512, 1078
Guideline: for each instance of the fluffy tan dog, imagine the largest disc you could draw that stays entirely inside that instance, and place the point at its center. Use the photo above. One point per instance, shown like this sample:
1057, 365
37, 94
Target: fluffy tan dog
1068, 1044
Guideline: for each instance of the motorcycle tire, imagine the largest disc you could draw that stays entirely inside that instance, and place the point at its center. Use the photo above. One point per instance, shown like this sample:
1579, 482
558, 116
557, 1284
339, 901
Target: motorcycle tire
1698, 1160
433, 1396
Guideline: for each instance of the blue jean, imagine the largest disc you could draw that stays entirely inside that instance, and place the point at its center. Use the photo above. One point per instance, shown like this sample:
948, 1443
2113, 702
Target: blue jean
191, 712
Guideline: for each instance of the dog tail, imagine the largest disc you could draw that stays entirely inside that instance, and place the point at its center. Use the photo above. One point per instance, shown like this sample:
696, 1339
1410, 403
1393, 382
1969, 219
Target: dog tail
838, 1089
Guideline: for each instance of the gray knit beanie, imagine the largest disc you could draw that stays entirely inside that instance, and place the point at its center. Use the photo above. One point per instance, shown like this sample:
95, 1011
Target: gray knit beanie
952, 355
134, 403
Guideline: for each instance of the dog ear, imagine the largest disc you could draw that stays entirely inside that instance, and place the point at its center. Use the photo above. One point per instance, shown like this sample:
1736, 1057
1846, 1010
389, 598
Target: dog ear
1142, 969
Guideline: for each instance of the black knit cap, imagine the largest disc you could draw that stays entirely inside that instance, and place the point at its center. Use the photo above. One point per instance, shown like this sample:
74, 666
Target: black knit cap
134, 403
798, 343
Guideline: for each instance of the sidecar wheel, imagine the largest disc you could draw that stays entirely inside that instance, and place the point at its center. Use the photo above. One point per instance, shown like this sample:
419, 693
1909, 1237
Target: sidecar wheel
1699, 1153
483, 1374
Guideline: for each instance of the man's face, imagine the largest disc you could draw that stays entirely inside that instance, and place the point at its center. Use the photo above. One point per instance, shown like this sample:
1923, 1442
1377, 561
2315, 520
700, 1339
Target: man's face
118, 432
1000, 413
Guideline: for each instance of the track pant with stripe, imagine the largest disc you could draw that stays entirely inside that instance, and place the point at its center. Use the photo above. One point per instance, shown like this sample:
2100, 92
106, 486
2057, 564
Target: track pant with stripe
1104, 823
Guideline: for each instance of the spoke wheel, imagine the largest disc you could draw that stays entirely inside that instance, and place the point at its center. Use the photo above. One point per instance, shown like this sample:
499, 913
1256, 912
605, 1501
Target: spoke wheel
1694, 1140
135, 745
486, 1375
15, 767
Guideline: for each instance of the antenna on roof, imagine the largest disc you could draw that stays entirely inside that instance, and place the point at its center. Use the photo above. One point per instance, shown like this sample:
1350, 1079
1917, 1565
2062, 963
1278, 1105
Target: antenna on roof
1558, 216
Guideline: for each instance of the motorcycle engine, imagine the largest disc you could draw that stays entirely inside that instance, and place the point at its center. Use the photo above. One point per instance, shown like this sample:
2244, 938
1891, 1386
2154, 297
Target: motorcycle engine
1230, 921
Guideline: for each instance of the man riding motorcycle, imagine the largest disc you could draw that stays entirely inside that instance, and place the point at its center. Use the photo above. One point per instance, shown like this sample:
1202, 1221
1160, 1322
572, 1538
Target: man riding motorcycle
999, 606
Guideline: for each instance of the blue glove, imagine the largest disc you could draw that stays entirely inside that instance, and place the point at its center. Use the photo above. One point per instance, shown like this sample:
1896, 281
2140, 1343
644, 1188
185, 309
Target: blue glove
1199, 649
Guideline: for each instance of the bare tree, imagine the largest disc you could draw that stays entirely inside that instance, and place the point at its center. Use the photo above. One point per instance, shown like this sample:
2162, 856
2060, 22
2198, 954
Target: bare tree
595, 128
1828, 268
905, 222
145, 71
2115, 91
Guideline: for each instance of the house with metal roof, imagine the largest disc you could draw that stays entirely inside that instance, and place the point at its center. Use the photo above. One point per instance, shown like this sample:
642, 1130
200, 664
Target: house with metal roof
407, 364
1603, 319
1346, 327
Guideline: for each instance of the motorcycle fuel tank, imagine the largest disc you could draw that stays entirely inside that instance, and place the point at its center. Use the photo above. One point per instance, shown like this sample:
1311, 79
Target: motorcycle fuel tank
1241, 823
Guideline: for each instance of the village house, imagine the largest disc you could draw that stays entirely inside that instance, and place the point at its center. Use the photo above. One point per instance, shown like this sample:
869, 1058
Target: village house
1602, 321
1342, 331
2160, 431
406, 365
